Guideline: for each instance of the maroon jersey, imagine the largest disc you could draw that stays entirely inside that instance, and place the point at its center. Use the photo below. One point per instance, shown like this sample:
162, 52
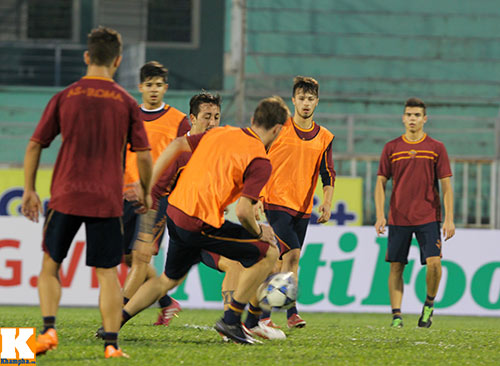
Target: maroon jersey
96, 118
415, 168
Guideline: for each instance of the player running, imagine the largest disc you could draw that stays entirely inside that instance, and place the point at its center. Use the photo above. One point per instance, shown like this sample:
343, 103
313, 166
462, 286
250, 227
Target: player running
95, 118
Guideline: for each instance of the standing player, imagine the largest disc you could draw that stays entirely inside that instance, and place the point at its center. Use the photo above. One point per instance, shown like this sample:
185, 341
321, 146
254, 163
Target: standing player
416, 163
301, 152
163, 123
96, 118
204, 113
227, 163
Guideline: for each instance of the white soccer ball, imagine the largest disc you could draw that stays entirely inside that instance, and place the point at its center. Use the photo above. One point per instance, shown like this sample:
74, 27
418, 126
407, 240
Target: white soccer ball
278, 291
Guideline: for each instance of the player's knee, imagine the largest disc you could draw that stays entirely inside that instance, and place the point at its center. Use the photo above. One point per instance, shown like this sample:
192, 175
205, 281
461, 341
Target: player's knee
397, 268
106, 274
49, 267
433, 263
140, 258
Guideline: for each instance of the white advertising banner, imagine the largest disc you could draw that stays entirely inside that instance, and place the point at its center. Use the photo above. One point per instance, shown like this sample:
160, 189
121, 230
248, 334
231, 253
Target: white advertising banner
342, 269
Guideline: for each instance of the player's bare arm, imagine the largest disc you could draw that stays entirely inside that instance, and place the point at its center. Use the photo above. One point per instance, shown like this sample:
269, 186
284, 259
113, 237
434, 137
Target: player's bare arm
325, 209
31, 206
448, 224
379, 204
245, 211
168, 156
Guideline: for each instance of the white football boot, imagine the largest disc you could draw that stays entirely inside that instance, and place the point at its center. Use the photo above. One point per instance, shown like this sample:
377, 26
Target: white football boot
264, 331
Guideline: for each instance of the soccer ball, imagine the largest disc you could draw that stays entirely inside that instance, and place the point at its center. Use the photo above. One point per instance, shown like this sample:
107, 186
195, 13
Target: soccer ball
278, 291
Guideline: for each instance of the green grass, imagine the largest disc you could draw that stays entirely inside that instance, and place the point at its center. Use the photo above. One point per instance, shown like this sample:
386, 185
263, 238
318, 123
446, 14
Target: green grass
328, 339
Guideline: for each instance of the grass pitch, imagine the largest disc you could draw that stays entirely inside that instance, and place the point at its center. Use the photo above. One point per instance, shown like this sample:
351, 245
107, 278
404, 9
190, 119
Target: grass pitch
328, 339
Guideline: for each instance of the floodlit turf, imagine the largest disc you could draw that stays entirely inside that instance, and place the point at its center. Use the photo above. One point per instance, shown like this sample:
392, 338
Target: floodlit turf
328, 339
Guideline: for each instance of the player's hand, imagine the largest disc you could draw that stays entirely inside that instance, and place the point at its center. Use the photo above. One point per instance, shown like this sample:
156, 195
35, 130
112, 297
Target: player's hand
132, 192
31, 205
325, 213
380, 226
268, 235
259, 210
144, 203
448, 230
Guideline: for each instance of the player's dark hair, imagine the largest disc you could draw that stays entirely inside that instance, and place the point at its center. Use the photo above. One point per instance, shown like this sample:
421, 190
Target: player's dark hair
104, 45
306, 84
416, 102
200, 98
270, 112
153, 69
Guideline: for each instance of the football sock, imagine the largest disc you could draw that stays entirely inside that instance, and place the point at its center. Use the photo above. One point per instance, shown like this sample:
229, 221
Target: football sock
49, 322
110, 339
291, 311
233, 314
165, 301
265, 314
429, 301
125, 300
253, 316
396, 313
125, 317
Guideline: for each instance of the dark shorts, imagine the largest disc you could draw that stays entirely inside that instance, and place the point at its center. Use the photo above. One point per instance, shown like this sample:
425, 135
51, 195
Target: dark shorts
210, 259
230, 240
104, 238
130, 226
157, 226
290, 231
428, 238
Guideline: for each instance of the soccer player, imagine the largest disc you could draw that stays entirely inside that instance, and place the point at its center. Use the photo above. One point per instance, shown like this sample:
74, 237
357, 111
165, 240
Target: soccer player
204, 114
416, 163
163, 123
301, 153
227, 163
96, 118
